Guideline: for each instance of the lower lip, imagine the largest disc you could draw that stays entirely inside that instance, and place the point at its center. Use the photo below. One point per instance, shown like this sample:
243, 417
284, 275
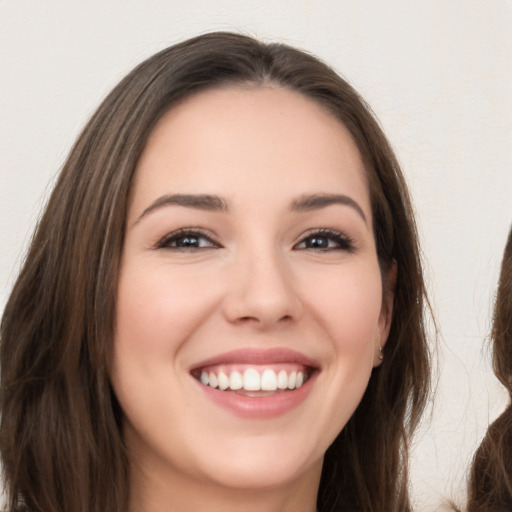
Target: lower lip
259, 407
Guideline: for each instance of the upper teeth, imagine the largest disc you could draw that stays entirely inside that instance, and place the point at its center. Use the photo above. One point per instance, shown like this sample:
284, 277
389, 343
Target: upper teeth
252, 380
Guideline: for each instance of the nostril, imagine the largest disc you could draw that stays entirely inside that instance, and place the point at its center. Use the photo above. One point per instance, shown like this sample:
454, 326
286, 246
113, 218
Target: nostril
248, 319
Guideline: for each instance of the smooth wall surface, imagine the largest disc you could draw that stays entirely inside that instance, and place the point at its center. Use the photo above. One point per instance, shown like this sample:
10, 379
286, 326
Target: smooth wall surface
438, 75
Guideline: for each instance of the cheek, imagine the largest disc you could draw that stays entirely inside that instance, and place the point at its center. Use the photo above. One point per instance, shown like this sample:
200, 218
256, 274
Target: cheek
158, 310
348, 304
158, 307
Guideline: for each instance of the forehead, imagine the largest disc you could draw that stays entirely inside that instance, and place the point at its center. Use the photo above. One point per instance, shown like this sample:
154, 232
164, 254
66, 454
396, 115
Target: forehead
264, 140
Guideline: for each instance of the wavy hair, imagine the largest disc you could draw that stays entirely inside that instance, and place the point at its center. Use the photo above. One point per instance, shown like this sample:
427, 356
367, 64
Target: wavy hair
490, 485
61, 426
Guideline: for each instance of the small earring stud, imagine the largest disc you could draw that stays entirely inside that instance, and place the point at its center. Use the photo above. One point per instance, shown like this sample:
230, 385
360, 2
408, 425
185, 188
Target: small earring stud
381, 355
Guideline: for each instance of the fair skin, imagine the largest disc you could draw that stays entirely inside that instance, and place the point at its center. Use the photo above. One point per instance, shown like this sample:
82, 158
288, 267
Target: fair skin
249, 246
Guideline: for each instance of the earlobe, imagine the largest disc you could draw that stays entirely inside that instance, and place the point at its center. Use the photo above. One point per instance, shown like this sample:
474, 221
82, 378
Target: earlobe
386, 314
378, 356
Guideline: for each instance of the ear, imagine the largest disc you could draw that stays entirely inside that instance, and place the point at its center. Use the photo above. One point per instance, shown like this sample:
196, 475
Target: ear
386, 313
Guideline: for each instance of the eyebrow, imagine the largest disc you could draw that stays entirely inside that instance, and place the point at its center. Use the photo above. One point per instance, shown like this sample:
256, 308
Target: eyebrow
215, 203
310, 202
198, 201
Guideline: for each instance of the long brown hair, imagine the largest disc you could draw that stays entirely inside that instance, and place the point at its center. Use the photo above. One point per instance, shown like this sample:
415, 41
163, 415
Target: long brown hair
61, 427
490, 486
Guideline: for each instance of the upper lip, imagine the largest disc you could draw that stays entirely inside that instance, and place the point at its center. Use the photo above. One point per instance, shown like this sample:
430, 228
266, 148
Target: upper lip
258, 357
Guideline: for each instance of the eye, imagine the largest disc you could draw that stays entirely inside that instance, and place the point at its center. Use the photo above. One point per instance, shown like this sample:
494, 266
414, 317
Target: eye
326, 240
187, 240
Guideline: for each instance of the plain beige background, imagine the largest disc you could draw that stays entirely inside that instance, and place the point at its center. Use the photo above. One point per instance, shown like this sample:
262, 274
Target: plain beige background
437, 73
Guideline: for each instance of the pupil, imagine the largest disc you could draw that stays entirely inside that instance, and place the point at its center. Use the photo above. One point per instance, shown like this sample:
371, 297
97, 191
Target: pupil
187, 241
318, 242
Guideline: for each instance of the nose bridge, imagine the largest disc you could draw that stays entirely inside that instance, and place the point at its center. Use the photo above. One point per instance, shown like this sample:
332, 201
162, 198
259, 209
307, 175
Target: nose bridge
261, 287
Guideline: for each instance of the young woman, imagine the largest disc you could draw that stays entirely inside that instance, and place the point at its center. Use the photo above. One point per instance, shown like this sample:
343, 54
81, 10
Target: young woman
490, 486
222, 306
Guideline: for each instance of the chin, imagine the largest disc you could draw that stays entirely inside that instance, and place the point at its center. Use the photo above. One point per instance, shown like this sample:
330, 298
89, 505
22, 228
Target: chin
271, 472
262, 463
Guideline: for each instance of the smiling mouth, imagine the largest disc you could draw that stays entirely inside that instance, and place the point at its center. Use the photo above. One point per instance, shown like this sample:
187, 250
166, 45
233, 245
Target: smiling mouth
254, 380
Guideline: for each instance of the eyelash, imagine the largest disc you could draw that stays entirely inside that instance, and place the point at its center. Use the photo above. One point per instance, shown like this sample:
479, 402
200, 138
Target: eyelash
342, 241
197, 236
170, 241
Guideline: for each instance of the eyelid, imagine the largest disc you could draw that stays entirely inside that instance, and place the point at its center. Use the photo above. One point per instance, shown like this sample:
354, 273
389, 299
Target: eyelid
164, 242
344, 241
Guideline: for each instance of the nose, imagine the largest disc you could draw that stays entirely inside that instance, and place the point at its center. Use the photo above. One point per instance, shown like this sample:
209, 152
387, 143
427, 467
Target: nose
261, 291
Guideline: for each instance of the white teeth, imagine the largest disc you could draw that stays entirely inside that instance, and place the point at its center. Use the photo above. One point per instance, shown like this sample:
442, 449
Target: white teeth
282, 380
212, 380
269, 380
235, 381
252, 381
223, 381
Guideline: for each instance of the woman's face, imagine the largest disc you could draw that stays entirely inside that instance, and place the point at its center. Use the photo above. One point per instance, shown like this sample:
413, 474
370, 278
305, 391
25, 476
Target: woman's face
249, 309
